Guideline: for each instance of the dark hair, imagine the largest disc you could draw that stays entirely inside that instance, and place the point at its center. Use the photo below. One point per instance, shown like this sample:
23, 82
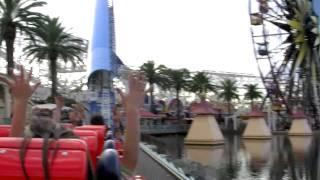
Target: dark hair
97, 120
44, 127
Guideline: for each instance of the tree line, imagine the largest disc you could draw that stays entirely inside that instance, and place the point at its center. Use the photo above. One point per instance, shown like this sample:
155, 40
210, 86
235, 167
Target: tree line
178, 80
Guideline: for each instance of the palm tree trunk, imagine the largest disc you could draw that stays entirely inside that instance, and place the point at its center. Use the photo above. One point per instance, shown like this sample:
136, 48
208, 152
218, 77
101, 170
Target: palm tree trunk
9, 37
151, 98
10, 49
53, 76
251, 104
178, 104
229, 107
203, 96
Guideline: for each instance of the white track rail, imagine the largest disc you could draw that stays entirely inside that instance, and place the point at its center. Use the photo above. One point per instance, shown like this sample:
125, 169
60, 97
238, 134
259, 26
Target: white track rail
176, 171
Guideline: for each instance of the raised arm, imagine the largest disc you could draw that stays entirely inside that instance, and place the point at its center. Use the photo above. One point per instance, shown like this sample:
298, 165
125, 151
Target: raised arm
21, 90
132, 103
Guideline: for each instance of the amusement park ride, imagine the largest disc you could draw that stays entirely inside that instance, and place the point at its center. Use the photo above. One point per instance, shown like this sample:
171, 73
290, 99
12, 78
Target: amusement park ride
103, 62
286, 41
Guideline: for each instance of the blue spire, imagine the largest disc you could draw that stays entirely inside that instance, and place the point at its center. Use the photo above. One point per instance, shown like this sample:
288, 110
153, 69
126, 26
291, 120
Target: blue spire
100, 47
316, 6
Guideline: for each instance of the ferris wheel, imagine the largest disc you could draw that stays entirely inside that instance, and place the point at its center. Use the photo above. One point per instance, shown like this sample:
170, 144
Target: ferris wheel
286, 42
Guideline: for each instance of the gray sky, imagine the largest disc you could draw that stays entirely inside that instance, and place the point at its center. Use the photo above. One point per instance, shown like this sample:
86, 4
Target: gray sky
198, 35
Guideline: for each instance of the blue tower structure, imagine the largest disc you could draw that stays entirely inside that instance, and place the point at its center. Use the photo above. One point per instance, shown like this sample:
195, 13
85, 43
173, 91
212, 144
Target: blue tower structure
103, 62
316, 6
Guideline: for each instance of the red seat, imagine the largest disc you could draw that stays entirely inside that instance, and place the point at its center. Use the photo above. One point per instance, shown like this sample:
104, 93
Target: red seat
118, 144
70, 162
101, 130
5, 130
91, 138
119, 148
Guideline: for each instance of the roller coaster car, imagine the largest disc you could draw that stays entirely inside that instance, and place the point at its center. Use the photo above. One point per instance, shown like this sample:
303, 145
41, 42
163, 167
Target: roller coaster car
70, 162
101, 130
5, 130
91, 138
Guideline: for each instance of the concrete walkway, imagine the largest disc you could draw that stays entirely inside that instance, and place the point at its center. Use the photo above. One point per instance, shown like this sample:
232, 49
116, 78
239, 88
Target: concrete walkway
151, 170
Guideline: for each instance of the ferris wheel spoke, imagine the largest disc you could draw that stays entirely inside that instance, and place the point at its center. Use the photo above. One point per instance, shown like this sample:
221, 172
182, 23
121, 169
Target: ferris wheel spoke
269, 17
280, 6
276, 15
287, 53
275, 34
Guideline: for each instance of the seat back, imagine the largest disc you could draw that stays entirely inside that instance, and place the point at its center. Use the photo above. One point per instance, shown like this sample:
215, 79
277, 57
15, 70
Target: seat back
5, 130
101, 130
70, 162
119, 148
91, 138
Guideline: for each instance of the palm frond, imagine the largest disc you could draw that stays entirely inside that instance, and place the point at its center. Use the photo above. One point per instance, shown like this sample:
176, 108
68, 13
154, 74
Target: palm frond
201, 84
228, 90
47, 40
252, 92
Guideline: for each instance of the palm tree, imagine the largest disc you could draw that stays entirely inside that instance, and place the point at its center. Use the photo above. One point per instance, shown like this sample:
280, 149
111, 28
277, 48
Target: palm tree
154, 76
229, 91
178, 79
52, 43
252, 93
200, 84
17, 16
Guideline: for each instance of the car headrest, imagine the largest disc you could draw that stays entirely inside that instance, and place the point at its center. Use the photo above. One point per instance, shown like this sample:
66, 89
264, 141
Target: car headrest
70, 162
99, 129
81, 132
91, 138
36, 143
5, 130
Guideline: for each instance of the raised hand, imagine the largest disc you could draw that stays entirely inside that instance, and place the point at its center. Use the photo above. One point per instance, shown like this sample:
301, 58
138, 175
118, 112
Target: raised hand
132, 101
19, 85
135, 96
59, 100
21, 90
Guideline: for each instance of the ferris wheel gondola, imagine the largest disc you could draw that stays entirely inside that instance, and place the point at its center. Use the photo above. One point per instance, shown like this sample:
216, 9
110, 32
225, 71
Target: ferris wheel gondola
286, 44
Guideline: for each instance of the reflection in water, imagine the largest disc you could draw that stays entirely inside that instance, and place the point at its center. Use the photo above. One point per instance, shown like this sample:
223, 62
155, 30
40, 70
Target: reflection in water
300, 146
282, 158
279, 158
258, 153
258, 150
313, 160
205, 155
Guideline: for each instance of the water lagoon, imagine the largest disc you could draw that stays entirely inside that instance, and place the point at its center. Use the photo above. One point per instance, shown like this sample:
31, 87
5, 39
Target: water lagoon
280, 158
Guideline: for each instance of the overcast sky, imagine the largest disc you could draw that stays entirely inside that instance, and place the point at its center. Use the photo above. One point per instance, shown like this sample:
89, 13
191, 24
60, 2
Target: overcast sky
198, 35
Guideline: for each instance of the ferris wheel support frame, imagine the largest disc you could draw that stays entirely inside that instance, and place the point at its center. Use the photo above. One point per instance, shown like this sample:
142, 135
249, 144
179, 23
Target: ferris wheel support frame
272, 71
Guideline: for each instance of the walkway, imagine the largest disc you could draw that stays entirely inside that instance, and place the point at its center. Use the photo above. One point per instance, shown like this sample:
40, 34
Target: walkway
151, 170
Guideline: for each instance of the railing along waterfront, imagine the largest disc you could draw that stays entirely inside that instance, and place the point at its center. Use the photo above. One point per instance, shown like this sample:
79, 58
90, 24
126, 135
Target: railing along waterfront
165, 129
162, 161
